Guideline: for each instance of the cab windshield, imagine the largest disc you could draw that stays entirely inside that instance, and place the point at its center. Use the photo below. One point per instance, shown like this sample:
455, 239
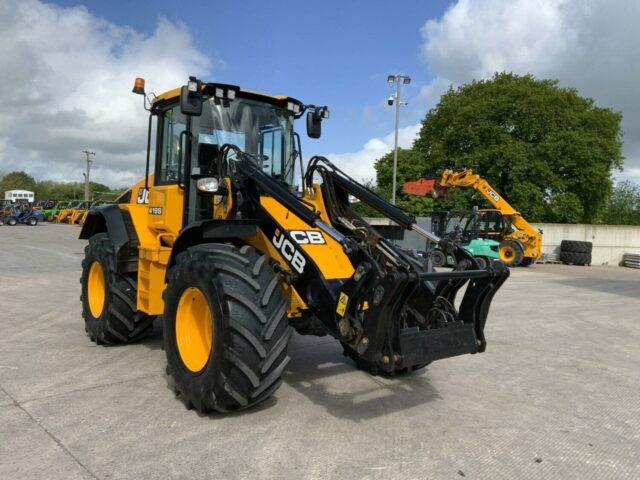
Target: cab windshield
259, 128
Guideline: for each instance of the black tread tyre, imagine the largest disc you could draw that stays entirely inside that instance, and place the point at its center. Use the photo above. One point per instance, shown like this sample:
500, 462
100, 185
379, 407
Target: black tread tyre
12, 221
482, 262
250, 327
438, 258
527, 261
576, 246
573, 258
511, 253
119, 321
32, 222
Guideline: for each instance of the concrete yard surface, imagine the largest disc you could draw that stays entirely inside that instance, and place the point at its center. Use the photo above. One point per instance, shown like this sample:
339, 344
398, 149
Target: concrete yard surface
555, 396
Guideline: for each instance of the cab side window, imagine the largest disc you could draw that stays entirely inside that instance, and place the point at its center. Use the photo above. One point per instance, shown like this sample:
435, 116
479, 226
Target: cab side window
173, 124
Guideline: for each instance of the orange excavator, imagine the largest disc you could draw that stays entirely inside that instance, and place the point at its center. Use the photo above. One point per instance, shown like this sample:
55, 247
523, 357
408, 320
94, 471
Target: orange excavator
520, 242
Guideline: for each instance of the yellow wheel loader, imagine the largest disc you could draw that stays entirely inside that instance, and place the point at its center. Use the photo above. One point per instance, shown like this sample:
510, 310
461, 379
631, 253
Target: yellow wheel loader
220, 242
72, 213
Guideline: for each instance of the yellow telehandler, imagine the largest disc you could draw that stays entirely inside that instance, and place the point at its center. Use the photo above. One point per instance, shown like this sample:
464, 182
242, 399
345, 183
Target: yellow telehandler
220, 242
520, 242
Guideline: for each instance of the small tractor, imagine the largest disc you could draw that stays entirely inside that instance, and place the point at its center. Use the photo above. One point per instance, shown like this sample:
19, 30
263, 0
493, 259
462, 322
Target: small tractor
520, 242
220, 242
470, 229
22, 213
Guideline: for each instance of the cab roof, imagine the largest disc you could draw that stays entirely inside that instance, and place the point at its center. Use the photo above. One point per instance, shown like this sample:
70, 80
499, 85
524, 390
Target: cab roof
175, 93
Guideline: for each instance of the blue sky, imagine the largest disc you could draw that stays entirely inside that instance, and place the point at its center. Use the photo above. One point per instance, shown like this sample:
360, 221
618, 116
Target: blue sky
332, 52
76, 61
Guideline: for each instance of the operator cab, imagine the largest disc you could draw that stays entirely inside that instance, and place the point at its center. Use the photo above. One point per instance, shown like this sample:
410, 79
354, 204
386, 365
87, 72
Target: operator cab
468, 225
194, 122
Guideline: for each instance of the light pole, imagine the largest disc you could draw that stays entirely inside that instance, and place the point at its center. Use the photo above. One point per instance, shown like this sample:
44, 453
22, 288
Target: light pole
399, 80
86, 175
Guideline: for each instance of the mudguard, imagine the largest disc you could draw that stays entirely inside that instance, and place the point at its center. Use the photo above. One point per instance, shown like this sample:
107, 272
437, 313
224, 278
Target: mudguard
110, 219
205, 231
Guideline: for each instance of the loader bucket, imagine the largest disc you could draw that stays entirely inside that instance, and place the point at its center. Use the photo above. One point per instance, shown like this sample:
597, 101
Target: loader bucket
443, 330
425, 187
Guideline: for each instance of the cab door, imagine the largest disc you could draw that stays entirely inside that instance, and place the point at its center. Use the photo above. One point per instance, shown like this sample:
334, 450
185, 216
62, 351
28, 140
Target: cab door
166, 196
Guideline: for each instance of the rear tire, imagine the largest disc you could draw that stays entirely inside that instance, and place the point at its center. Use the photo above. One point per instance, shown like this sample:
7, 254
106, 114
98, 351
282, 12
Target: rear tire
438, 258
482, 262
510, 253
12, 221
113, 320
250, 332
527, 261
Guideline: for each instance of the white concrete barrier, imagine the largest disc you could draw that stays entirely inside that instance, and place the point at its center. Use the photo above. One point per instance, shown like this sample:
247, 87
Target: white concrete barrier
609, 241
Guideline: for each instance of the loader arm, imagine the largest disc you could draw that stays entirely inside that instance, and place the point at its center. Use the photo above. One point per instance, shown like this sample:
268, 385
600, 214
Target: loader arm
388, 308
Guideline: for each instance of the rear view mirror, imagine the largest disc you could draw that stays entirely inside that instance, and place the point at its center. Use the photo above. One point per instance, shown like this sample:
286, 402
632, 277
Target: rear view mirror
314, 124
191, 98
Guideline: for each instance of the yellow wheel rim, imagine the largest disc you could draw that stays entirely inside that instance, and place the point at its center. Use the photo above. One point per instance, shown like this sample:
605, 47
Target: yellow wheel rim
507, 254
194, 329
96, 289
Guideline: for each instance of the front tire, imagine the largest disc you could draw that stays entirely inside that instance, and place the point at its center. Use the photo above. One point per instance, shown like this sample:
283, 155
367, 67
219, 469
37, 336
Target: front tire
438, 258
109, 298
510, 253
225, 328
482, 262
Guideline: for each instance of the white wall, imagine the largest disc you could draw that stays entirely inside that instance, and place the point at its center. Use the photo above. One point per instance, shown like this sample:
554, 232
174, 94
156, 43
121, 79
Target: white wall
609, 241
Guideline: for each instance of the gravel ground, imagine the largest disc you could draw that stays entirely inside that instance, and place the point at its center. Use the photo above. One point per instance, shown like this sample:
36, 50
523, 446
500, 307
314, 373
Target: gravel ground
556, 395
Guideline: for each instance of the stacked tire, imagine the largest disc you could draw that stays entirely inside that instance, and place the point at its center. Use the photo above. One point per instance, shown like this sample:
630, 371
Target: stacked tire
574, 252
631, 260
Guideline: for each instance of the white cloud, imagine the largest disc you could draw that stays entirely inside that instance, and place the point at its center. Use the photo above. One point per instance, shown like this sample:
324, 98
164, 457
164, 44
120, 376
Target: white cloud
588, 45
359, 164
67, 79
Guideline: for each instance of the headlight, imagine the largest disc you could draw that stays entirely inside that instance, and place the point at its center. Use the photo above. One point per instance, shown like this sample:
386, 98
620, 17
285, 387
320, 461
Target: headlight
208, 184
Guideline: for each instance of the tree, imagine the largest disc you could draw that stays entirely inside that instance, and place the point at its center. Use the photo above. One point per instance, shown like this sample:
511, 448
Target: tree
17, 181
623, 208
50, 190
546, 149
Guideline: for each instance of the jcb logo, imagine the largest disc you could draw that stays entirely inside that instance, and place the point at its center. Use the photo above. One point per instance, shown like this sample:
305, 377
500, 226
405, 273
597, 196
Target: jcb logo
143, 196
288, 251
303, 237
493, 195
